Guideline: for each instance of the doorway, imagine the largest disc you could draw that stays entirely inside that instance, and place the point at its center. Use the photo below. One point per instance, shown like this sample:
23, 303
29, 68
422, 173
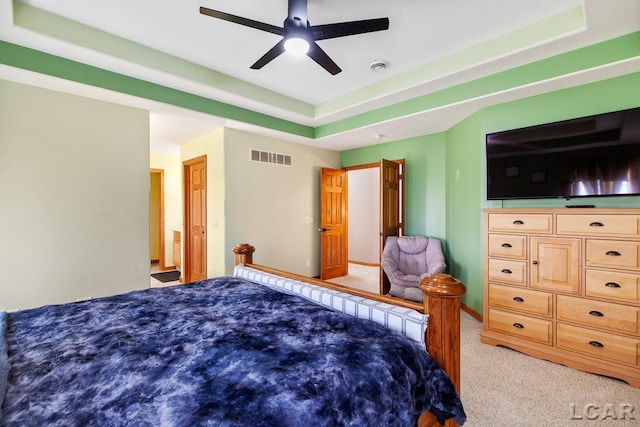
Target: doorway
373, 209
363, 199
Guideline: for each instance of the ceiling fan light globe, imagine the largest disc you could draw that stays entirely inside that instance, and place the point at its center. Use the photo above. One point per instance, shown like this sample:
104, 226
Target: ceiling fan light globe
297, 46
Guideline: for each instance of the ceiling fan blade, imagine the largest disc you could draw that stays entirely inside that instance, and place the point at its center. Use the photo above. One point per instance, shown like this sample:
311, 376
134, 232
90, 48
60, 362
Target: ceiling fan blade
242, 21
317, 54
341, 29
273, 53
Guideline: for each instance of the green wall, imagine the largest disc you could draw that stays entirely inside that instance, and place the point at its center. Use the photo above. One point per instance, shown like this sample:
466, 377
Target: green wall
445, 187
464, 196
425, 178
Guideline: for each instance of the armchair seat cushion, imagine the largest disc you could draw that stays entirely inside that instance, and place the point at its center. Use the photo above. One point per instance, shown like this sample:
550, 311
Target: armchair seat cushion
407, 260
406, 292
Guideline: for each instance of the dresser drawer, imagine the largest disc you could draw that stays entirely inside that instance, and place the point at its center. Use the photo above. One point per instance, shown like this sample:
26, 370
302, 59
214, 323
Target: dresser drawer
508, 246
507, 271
526, 223
613, 285
613, 253
599, 344
521, 326
598, 314
599, 225
533, 302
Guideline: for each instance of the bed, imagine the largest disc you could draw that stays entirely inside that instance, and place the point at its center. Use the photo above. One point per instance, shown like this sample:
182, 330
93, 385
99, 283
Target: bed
259, 348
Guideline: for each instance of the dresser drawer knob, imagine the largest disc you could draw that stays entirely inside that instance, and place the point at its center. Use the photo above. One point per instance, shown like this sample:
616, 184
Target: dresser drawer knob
596, 344
613, 253
518, 299
506, 245
612, 285
596, 224
518, 222
596, 313
519, 325
506, 271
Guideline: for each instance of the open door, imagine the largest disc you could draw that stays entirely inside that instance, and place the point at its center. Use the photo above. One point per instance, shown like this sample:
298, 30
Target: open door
195, 219
333, 223
390, 209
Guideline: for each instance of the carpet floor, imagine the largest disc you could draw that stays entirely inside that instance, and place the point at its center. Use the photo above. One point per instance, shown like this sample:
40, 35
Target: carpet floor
502, 387
361, 277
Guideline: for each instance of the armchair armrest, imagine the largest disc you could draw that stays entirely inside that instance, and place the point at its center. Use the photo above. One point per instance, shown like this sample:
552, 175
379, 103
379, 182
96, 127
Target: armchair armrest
435, 257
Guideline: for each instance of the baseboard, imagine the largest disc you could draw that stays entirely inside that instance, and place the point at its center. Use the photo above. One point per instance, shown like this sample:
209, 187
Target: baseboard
472, 312
168, 267
368, 264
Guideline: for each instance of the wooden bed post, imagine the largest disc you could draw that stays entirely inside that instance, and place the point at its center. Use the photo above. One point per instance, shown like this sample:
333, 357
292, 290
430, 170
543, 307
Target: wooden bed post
442, 302
243, 253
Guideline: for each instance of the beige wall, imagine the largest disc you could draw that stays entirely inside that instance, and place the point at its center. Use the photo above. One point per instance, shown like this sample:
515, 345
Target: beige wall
267, 205
74, 209
212, 145
74, 180
270, 205
172, 168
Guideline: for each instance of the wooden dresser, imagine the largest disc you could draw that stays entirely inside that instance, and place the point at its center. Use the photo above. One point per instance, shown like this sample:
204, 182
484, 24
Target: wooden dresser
564, 285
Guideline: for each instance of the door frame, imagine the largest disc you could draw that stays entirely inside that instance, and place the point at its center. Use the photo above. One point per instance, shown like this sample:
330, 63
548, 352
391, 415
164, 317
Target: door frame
401, 214
187, 217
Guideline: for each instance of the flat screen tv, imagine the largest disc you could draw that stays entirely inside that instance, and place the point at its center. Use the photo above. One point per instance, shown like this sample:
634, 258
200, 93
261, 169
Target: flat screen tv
588, 156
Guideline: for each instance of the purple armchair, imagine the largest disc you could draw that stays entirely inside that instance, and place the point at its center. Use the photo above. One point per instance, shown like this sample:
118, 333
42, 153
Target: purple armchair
408, 259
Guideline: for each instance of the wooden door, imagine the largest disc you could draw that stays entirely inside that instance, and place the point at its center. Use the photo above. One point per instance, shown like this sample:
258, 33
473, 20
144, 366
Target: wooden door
195, 199
555, 264
333, 223
390, 210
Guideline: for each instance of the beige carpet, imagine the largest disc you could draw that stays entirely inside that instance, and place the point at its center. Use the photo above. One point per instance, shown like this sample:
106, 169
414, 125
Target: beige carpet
501, 387
361, 277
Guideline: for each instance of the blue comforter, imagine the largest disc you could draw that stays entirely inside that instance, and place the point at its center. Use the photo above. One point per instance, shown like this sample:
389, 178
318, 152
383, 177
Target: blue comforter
222, 352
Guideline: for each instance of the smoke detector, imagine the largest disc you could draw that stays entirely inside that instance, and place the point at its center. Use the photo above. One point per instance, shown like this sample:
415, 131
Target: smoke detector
378, 65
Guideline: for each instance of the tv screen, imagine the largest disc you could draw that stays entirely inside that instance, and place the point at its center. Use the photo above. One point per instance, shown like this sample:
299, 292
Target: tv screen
589, 156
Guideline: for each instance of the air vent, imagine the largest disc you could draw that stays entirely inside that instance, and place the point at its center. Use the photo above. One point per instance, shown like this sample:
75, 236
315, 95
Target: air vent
268, 157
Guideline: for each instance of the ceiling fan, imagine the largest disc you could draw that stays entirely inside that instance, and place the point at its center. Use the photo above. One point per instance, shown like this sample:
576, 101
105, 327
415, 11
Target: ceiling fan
299, 36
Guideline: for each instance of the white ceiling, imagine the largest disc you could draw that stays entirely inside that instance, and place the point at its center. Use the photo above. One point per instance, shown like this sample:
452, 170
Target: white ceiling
421, 33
